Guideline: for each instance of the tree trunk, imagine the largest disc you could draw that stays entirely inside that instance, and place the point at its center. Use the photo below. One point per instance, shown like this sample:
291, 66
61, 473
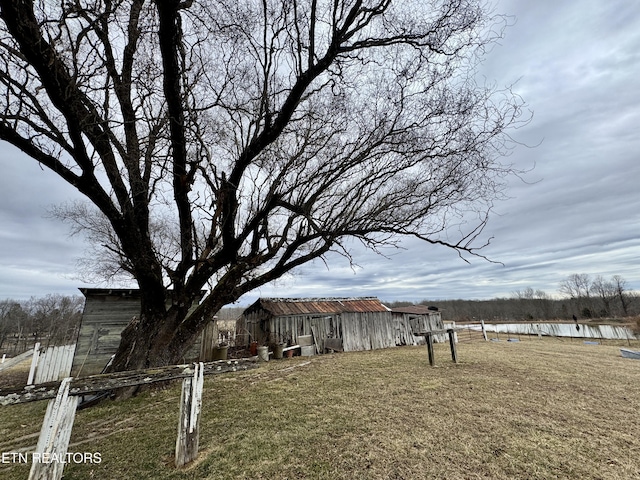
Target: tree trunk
142, 343
158, 337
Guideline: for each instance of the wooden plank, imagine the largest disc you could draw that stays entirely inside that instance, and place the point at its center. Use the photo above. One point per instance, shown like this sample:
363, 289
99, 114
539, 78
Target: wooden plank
452, 344
429, 340
34, 363
48, 460
314, 335
54, 364
438, 331
189, 419
16, 360
111, 381
333, 344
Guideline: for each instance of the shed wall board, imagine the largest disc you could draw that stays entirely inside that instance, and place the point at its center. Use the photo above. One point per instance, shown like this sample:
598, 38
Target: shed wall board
358, 330
103, 319
106, 314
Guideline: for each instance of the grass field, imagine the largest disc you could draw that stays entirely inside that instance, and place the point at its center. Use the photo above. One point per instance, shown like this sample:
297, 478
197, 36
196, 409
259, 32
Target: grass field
540, 409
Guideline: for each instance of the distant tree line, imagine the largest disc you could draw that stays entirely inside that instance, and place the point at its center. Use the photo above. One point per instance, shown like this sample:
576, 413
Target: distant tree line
579, 295
50, 320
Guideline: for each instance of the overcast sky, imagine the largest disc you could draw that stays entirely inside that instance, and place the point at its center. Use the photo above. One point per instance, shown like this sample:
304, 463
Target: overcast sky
575, 63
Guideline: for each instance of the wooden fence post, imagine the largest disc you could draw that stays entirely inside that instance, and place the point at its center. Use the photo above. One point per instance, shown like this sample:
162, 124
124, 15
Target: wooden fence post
452, 343
50, 456
429, 340
34, 363
189, 422
16, 360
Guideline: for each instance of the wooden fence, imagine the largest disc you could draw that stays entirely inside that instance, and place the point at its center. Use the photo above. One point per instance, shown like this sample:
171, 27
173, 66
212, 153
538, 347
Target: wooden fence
12, 362
54, 363
64, 397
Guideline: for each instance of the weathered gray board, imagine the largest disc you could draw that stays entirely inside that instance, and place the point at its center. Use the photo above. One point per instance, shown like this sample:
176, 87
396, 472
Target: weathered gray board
52, 364
58, 423
189, 422
358, 330
103, 319
12, 362
54, 435
106, 314
98, 383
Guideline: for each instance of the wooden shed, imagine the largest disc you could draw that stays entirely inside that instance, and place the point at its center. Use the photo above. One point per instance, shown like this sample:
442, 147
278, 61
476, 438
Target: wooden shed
352, 324
106, 314
419, 318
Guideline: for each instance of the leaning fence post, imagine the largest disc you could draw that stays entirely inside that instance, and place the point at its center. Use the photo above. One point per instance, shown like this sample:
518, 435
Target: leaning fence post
34, 363
188, 425
452, 343
49, 458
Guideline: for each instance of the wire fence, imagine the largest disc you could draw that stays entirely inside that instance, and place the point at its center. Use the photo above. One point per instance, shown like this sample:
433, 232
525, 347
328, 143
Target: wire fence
474, 332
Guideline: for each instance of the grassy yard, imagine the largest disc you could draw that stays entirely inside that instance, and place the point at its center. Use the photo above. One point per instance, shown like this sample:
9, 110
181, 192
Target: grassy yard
529, 410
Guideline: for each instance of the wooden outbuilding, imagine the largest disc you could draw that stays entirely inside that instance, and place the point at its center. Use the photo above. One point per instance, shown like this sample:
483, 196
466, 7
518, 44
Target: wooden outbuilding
347, 324
107, 311
419, 318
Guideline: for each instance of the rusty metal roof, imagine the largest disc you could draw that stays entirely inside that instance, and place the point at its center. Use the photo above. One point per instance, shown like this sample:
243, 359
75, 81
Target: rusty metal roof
415, 309
302, 306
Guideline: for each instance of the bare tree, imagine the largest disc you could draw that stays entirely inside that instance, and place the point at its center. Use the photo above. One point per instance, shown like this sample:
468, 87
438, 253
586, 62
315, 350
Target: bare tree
606, 291
51, 320
533, 304
222, 144
619, 286
54, 319
6, 309
14, 326
577, 287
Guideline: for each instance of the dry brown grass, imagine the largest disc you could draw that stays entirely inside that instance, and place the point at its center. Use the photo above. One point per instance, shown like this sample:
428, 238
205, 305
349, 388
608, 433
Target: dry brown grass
529, 410
16, 375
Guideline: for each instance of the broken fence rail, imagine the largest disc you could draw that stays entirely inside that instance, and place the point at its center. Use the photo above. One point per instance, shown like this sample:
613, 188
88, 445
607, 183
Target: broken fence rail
112, 381
64, 395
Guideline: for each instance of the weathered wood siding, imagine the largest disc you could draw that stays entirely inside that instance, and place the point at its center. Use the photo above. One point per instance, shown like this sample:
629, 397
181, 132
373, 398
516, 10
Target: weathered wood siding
54, 363
411, 322
209, 341
103, 319
358, 330
106, 314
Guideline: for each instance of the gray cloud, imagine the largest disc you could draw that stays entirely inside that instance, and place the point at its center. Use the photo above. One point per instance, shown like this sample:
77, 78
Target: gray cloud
576, 64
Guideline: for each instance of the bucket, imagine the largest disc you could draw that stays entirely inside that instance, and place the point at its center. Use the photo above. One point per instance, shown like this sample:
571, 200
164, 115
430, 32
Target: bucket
263, 354
253, 348
220, 353
278, 351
